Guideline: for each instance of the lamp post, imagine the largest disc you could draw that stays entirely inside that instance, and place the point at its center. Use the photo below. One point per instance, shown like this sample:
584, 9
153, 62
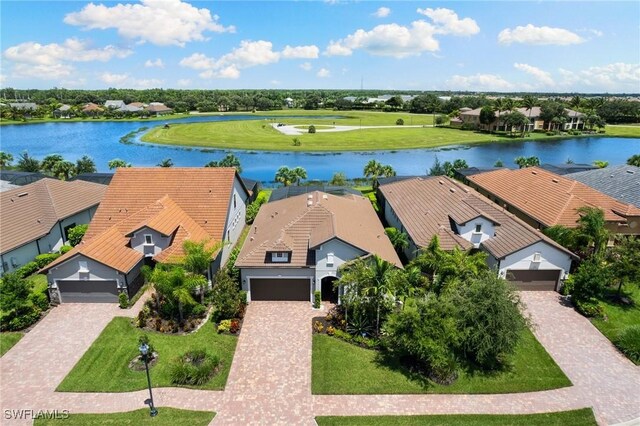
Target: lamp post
144, 351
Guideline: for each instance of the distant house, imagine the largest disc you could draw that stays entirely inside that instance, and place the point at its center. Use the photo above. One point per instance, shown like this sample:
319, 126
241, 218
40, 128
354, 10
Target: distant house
36, 218
146, 216
471, 118
117, 104
64, 111
289, 102
92, 109
24, 106
460, 217
544, 199
130, 108
297, 245
620, 182
158, 108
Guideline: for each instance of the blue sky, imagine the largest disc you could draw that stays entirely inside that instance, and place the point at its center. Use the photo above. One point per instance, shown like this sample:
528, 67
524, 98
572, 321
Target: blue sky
478, 46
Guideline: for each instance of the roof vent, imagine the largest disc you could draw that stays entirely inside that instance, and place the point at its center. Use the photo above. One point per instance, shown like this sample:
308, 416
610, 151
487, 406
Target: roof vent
325, 197
441, 182
309, 203
533, 172
23, 194
631, 172
452, 190
310, 196
554, 180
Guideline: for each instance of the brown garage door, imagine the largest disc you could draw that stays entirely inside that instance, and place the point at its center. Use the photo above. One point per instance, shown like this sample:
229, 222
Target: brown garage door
280, 289
88, 291
544, 279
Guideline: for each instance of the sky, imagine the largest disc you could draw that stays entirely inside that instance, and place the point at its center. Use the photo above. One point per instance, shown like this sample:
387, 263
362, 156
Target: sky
548, 46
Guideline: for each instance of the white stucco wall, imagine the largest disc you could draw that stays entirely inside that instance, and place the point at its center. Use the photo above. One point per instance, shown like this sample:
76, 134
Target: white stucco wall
70, 270
342, 253
160, 242
467, 231
550, 258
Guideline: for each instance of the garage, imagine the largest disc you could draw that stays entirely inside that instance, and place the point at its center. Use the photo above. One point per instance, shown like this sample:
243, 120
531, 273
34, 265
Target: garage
534, 280
88, 291
280, 289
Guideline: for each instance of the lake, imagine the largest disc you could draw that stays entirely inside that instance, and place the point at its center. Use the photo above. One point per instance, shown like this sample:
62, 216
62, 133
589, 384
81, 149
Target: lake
101, 141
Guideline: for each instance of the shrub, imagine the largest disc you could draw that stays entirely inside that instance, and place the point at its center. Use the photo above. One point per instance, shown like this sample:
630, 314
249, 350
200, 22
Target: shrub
27, 269
252, 210
318, 327
589, 307
590, 280
23, 319
297, 142
225, 297
224, 326
144, 339
399, 122
234, 327
331, 330
44, 259
123, 300
17, 307
194, 368
628, 341
312, 129
39, 300
76, 234
342, 335
198, 310
316, 299
65, 248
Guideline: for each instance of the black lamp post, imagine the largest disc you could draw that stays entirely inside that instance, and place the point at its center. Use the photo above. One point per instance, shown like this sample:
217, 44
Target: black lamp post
144, 351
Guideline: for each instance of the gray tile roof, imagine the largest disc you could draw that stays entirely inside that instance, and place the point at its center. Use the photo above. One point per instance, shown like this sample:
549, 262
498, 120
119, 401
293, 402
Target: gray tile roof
619, 182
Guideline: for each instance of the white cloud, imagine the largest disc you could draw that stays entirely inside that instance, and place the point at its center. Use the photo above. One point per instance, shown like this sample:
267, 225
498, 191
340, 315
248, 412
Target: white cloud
42, 72
324, 73
530, 34
230, 72
198, 61
184, 82
306, 66
72, 50
146, 83
479, 82
401, 41
3, 78
78, 82
154, 64
250, 54
300, 52
275, 82
447, 22
616, 77
161, 22
382, 12
113, 79
542, 77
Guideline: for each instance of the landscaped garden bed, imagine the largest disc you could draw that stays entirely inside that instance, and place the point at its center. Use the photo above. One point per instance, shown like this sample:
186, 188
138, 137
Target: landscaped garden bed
583, 417
105, 365
166, 417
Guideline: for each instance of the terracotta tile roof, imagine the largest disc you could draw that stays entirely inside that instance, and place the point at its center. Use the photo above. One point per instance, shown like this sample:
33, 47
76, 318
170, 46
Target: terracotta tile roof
191, 204
303, 222
549, 198
430, 206
29, 212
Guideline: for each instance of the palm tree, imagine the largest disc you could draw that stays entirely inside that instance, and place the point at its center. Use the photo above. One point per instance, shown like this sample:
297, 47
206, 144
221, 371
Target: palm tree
634, 160
27, 163
198, 256
183, 294
592, 229
498, 105
399, 240
387, 171
116, 162
284, 175
601, 164
85, 165
380, 285
298, 174
373, 169
64, 170
529, 102
49, 162
5, 159
575, 102
167, 162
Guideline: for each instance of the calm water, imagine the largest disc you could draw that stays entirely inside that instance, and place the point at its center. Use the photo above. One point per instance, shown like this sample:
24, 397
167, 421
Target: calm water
100, 140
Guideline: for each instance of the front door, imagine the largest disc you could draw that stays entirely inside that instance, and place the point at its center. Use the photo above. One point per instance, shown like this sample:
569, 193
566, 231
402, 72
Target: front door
329, 292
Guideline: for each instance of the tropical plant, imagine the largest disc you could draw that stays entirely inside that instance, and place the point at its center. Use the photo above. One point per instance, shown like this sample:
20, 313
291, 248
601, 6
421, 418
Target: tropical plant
450, 168
380, 285
524, 162
298, 174
197, 259
85, 164
566, 237
338, 179
589, 282
373, 170
229, 160
226, 297
64, 170
487, 116
591, 230
285, 176
498, 163
27, 163
167, 162
49, 162
634, 160
399, 240
600, 164
624, 261
516, 120
116, 162
76, 234
5, 159
529, 102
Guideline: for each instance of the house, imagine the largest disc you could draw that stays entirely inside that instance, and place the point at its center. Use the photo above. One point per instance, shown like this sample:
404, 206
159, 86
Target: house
24, 106
145, 217
289, 102
620, 182
111, 104
575, 120
91, 109
461, 217
253, 186
297, 245
130, 108
544, 199
36, 217
463, 174
294, 191
158, 108
64, 111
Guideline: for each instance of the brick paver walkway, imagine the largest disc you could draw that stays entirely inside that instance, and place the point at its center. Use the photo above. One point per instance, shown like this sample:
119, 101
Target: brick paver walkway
270, 379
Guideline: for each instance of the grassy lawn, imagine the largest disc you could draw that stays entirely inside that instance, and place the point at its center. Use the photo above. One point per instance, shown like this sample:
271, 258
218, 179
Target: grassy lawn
581, 417
623, 130
619, 316
5, 121
8, 339
39, 282
166, 417
342, 368
104, 367
370, 193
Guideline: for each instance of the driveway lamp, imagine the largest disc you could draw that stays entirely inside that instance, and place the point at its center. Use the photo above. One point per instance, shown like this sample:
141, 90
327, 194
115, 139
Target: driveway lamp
144, 351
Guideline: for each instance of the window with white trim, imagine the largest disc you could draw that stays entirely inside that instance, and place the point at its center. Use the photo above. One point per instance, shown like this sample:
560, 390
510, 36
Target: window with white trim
478, 228
279, 256
148, 239
83, 267
537, 257
329, 259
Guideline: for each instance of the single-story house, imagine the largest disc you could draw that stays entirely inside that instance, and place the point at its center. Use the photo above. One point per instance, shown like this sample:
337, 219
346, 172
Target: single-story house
575, 120
24, 106
92, 109
115, 104
544, 199
159, 108
461, 217
297, 245
145, 217
620, 182
64, 111
36, 218
295, 190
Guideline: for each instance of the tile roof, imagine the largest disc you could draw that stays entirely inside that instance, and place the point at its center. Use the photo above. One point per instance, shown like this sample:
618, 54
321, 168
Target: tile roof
30, 211
620, 182
533, 113
184, 203
549, 198
427, 207
303, 222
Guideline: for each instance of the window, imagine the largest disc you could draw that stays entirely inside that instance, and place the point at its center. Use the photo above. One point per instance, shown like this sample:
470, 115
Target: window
537, 257
329, 259
83, 266
148, 239
279, 257
478, 228
234, 200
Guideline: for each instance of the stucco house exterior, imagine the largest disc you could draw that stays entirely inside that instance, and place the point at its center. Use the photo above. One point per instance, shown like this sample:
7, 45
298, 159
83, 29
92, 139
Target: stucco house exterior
36, 218
297, 245
145, 217
461, 217
575, 120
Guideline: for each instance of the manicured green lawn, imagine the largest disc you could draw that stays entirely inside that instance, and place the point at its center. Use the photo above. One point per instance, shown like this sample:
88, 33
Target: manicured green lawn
623, 130
619, 316
342, 368
166, 417
105, 366
583, 417
8, 339
39, 282
89, 119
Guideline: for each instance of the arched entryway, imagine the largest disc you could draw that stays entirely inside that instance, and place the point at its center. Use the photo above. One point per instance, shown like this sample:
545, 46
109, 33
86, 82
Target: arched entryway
329, 293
